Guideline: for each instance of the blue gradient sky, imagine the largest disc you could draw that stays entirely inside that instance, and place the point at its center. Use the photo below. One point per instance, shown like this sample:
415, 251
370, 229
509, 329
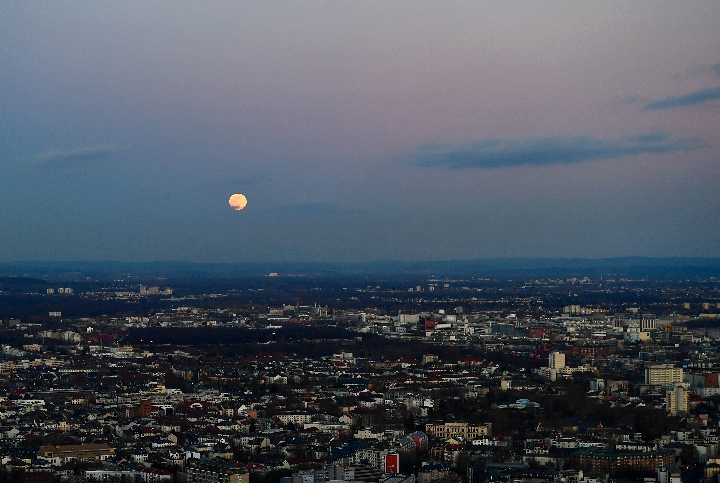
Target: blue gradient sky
358, 130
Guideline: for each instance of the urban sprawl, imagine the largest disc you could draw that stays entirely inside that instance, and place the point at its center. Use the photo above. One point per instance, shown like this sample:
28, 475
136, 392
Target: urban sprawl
513, 386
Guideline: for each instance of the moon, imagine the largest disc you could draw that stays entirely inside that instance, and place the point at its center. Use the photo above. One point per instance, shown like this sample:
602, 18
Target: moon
238, 201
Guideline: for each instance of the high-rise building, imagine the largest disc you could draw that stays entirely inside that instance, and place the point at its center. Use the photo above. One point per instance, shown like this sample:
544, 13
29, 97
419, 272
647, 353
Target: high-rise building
676, 400
556, 360
663, 374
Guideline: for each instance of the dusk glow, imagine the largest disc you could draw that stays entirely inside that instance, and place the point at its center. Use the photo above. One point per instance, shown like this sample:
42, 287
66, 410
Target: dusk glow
360, 131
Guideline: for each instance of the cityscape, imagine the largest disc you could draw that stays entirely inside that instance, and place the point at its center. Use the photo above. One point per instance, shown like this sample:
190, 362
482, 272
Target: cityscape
310, 378
322, 241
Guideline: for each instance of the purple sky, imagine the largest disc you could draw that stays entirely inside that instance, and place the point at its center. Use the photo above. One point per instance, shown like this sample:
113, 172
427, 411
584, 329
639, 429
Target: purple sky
358, 130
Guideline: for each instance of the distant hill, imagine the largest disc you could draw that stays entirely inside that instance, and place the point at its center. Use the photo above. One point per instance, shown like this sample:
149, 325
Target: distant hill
628, 267
21, 284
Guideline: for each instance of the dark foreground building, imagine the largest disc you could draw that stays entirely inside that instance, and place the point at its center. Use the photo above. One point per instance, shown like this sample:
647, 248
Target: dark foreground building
617, 462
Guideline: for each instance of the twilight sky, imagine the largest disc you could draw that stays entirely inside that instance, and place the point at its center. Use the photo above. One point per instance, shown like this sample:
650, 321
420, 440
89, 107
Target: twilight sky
358, 130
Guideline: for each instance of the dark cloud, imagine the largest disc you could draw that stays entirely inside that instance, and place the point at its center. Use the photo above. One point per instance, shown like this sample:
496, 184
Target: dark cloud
686, 100
89, 153
497, 153
704, 70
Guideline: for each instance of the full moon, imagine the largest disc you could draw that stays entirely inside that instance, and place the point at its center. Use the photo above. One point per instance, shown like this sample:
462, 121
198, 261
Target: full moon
238, 201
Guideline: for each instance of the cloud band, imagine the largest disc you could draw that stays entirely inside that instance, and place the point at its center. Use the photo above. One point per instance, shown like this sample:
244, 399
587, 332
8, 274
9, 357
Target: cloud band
698, 97
88, 153
496, 153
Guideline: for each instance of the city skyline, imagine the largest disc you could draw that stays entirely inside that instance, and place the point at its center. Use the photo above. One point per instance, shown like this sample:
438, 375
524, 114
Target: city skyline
358, 132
